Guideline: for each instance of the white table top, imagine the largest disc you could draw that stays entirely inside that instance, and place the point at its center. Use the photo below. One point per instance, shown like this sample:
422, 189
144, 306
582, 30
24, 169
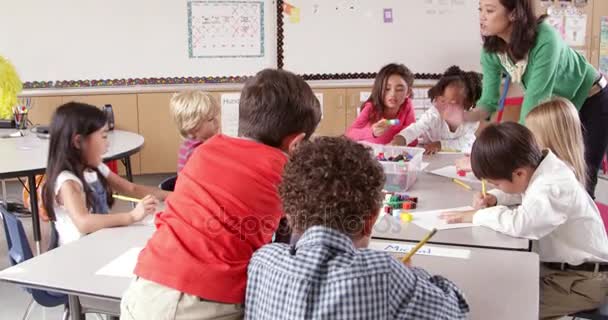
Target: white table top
437, 192
498, 284
28, 154
71, 268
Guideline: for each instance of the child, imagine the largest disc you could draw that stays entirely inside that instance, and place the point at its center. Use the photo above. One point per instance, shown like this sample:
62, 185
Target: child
389, 108
556, 126
458, 89
225, 206
196, 115
329, 273
78, 183
552, 209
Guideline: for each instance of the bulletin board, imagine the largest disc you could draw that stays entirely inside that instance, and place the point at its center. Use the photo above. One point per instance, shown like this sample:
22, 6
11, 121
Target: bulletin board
343, 39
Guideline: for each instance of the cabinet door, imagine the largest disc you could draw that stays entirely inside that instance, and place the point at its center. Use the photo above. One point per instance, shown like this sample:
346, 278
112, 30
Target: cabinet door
124, 107
159, 154
333, 122
354, 99
43, 109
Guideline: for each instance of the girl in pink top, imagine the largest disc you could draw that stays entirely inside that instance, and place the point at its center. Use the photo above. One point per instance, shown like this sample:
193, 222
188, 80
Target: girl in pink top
389, 108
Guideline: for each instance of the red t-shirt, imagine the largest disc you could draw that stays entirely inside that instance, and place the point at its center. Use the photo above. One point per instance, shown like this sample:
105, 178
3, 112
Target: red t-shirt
225, 206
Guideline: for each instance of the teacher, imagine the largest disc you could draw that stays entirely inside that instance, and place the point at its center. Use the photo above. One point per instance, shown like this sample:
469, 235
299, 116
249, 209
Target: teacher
535, 56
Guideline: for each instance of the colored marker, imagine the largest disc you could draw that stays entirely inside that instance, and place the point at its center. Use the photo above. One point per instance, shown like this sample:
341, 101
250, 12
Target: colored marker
392, 122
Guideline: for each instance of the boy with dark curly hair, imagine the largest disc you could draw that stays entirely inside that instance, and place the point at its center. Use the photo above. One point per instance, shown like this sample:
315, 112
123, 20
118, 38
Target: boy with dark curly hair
331, 193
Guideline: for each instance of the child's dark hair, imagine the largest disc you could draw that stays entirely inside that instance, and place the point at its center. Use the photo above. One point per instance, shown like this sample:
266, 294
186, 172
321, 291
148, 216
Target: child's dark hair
470, 82
332, 182
70, 120
277, 103
502, 148
525, 26
377, 95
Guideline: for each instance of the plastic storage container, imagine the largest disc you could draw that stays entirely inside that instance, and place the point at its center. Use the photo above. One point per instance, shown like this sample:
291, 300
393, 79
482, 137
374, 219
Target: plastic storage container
400, 176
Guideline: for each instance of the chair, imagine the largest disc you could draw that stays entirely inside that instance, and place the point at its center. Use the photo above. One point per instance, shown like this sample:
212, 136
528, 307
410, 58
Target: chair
168, 184
19, 250
603, 208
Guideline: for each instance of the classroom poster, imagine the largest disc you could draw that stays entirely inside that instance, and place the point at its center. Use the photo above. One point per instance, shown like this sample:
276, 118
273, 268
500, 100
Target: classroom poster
320, 98
604, 45
575, 29
225, 29
557, 21
230, 113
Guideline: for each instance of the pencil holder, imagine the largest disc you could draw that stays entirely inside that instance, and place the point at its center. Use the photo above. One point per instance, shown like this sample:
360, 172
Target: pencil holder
21, 120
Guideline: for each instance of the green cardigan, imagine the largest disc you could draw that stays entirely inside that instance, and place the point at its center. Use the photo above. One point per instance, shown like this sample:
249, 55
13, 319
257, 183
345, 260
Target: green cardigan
554, 69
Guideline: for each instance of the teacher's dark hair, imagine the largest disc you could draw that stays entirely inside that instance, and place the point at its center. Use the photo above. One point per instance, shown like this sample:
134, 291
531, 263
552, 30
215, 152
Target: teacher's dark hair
523, 36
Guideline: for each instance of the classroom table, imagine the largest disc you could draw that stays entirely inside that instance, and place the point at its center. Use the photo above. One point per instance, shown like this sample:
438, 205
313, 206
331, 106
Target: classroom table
499, 284
26, 156
436, 192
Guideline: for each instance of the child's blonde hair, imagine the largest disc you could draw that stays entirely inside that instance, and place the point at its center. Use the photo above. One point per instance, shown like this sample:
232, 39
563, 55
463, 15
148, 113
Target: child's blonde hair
190, 108
556, 125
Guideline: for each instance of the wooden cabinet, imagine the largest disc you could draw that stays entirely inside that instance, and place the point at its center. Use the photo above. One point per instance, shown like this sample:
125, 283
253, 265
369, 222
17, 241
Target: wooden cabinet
333, 122
354, 102
125, 117
159, 153
43, 108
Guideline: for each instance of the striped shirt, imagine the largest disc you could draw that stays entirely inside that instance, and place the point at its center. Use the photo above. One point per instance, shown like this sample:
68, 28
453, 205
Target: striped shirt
185, 150
323, 276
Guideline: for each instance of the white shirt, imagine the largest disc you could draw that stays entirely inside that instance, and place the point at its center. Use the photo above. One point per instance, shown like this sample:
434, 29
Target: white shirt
431, 128
556, 211
66, 228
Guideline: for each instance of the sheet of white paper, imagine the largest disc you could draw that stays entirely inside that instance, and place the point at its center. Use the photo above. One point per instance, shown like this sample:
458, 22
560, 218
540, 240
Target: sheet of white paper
364, 95
320, 98
122, 266
425, 250
230, 114
576, 29
451, 172
424, 165
430, 219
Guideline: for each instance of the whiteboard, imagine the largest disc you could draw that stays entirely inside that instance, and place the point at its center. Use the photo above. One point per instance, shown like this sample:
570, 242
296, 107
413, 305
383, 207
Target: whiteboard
117, 39
352, 36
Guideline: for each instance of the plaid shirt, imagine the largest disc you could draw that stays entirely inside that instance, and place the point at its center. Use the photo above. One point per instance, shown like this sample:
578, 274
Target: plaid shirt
325, 277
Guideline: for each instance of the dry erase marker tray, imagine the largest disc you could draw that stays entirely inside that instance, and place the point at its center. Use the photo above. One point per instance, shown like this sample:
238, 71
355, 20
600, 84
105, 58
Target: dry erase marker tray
401, 165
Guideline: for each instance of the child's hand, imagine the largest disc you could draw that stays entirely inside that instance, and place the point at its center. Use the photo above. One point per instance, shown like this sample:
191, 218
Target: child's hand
146, 206
432, 148
380, 127
398, 141
458, 216
463, 163
480, 202
408, 263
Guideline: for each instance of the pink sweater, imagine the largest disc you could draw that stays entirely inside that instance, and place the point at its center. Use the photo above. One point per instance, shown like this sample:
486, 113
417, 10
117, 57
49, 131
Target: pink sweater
361, 129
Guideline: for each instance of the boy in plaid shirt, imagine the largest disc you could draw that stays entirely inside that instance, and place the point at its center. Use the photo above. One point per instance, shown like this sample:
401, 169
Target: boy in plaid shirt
331, 193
